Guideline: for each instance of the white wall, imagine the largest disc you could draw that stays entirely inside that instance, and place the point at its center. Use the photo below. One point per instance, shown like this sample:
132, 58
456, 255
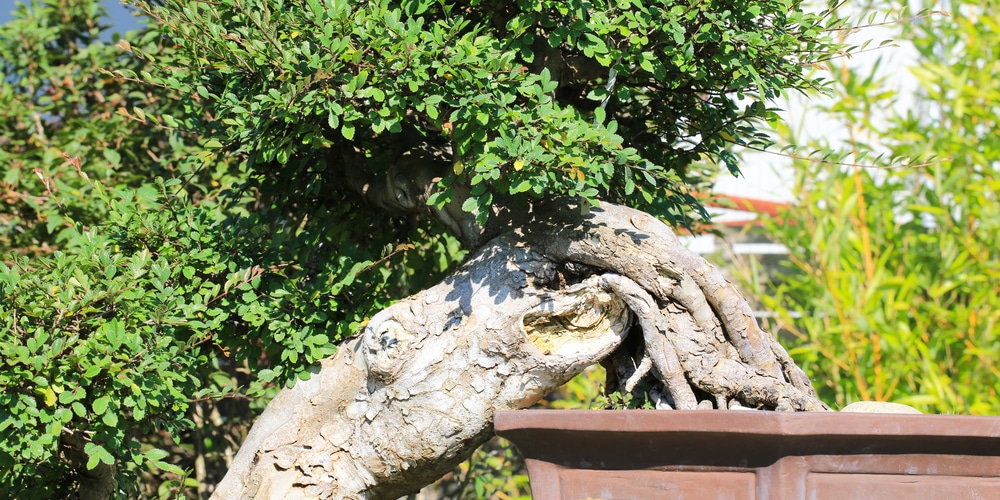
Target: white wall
768, 176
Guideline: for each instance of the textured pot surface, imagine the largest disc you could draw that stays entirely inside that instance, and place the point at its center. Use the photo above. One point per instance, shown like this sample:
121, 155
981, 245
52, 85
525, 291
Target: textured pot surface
645, 454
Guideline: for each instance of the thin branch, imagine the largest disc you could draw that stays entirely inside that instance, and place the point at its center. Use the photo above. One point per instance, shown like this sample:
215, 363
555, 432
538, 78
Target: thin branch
889, 23
844, 164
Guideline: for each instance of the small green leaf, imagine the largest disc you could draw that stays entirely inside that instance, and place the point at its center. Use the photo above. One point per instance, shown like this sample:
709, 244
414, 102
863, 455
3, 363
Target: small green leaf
97, 454
599, 115
155, 454
110, 419
113, 157
521, 187
266, 375
100, 405
470, 205
170, 121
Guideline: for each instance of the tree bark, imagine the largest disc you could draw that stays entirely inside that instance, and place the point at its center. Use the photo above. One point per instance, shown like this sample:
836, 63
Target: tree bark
92, 484
414, 394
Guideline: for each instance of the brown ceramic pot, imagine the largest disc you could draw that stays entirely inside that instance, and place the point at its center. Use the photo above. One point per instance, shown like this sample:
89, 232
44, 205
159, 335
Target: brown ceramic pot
647, 454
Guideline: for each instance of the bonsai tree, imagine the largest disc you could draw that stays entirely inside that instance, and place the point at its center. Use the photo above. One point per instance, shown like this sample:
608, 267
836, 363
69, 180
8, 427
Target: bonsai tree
345, 151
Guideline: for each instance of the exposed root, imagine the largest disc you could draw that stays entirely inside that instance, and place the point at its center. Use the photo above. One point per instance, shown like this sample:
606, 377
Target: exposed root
699, 333
685, 359
640, 371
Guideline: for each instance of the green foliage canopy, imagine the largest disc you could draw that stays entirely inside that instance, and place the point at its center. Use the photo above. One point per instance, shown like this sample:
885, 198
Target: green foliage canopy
601, 100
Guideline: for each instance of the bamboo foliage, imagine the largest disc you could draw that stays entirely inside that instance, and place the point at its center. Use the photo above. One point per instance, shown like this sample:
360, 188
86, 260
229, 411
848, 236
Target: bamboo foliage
895, 270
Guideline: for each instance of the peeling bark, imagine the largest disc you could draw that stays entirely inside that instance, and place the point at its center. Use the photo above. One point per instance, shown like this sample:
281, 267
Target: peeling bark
415, 393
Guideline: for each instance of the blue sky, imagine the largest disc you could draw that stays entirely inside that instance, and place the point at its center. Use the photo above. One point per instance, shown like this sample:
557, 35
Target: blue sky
121, 18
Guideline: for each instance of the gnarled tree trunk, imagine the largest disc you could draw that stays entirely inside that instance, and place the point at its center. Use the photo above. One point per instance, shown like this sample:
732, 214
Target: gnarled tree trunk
415, 393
